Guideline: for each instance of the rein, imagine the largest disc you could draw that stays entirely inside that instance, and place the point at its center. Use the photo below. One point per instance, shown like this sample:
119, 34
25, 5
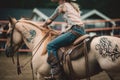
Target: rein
30, 60
38, 45
11, 41
11, 49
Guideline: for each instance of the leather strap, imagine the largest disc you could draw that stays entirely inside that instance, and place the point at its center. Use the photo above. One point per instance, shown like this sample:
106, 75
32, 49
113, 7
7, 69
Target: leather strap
75, 33
86, 61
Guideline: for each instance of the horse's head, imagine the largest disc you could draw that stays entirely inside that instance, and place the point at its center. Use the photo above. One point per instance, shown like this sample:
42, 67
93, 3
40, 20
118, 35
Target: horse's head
14, 38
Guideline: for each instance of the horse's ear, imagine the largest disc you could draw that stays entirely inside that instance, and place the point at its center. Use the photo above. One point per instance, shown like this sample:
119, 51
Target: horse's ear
12, 20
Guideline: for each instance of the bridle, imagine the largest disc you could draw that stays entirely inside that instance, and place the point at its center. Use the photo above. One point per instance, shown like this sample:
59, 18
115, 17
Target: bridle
9, 51
10, 48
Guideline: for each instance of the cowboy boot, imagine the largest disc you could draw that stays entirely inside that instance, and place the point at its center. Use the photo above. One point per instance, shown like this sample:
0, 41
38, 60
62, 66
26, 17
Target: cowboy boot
56, 69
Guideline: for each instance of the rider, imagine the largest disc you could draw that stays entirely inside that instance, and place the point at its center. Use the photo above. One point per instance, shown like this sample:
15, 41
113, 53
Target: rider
71, 15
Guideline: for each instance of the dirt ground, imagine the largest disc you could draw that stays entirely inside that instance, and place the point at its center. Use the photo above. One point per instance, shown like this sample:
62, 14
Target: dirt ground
8, 69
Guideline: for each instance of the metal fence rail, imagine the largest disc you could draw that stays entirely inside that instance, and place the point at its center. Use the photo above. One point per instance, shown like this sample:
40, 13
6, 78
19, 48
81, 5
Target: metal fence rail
106, 29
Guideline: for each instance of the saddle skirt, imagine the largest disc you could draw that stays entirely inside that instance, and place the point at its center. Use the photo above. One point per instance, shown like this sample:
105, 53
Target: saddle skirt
74, 52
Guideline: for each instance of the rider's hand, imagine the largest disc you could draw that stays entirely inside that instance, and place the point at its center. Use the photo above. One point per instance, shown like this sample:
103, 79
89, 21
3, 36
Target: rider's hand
47, 22
62, 32
44, 24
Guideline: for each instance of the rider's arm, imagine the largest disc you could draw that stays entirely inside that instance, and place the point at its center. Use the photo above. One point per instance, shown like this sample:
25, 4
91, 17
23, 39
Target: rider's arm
53, 16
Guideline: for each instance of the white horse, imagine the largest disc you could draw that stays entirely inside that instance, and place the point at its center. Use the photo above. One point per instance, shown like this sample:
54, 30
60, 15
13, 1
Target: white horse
104, 54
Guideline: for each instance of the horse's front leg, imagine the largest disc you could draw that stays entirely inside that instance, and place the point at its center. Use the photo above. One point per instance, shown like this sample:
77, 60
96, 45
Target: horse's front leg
40, 77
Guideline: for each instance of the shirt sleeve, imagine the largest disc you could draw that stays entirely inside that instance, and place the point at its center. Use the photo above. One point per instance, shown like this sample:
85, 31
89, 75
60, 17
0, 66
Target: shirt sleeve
56, 13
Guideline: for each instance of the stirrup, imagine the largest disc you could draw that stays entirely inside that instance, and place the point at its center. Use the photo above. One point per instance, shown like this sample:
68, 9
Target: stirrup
54, 76
49, 78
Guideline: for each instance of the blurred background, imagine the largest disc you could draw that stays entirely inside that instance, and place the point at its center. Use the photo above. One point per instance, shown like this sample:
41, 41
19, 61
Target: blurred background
25, 7
101, 17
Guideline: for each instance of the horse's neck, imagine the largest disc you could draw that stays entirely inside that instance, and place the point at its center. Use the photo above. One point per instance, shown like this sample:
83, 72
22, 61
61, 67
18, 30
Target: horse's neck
33, 38
40, 43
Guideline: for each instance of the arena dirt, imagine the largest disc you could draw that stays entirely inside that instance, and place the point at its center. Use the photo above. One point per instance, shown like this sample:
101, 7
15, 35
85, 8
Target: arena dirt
8, 69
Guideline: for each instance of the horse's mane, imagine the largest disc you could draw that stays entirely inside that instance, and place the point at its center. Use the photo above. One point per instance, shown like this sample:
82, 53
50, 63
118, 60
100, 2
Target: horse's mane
36, 24
39, 26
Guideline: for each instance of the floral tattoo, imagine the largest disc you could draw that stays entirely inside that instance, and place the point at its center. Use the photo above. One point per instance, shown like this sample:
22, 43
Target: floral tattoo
106, 48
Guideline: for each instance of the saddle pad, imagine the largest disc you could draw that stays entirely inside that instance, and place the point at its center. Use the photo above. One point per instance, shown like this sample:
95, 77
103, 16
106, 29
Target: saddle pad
80, 39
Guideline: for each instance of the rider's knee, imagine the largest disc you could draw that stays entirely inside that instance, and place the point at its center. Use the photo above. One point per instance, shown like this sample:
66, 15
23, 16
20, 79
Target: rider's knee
51, 46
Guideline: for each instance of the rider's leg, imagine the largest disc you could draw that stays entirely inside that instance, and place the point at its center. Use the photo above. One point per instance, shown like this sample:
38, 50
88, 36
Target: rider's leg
53, 46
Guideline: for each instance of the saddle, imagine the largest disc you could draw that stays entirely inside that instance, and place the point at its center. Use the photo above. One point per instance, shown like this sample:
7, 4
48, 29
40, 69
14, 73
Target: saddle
73, 52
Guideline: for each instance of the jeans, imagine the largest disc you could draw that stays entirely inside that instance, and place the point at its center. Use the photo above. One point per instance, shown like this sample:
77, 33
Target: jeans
63, 40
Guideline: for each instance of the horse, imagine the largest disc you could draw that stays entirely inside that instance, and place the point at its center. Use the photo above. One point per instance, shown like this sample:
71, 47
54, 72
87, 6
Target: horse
104, 53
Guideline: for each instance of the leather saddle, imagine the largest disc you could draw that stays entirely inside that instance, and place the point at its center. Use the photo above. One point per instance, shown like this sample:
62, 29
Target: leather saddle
74, 51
